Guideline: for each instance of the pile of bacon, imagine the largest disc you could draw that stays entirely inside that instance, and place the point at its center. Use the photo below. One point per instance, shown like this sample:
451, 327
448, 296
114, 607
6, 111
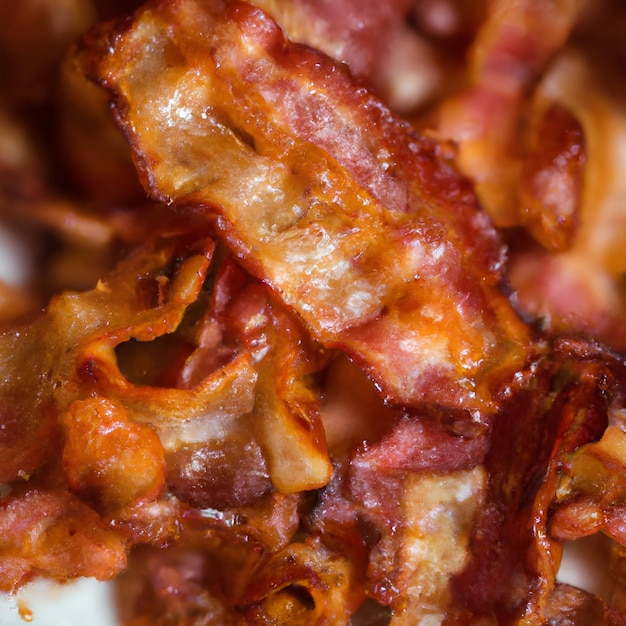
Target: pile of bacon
353, 350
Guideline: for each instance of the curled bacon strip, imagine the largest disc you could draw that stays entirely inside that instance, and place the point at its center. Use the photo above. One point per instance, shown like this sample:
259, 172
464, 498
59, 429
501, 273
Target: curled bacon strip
357, 223
125, 433
511, 51
245, 320
305, 583
111, 462
581, 288
93, 323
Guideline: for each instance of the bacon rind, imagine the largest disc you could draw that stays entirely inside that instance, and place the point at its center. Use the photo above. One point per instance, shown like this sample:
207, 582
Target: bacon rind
356, 222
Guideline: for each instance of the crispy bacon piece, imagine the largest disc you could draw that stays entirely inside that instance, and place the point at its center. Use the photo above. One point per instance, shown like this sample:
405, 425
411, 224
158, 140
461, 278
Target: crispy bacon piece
52, 533
509, 54
507, 551
592, 488
109, 460
357, 223
540, 130
581, 289
305, 583
74, 333
206, 574
287, 406
123, 433
245, 319
530, 465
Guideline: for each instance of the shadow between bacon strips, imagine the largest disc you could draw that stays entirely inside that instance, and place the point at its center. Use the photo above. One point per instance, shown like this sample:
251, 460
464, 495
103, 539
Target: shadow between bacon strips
304, 397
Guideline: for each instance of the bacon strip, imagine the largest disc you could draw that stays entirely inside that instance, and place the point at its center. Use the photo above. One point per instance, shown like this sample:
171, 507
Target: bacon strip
581, 289
511, 51
244, 317
357, 223
110, 467
373, 38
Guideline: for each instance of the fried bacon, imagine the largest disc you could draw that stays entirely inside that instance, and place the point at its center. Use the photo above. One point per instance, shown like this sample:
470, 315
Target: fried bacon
122, 443
302, 395
539, 130
245, 320
79, 330
357, 223
373, 38
581, 289
511, 50
66, 415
